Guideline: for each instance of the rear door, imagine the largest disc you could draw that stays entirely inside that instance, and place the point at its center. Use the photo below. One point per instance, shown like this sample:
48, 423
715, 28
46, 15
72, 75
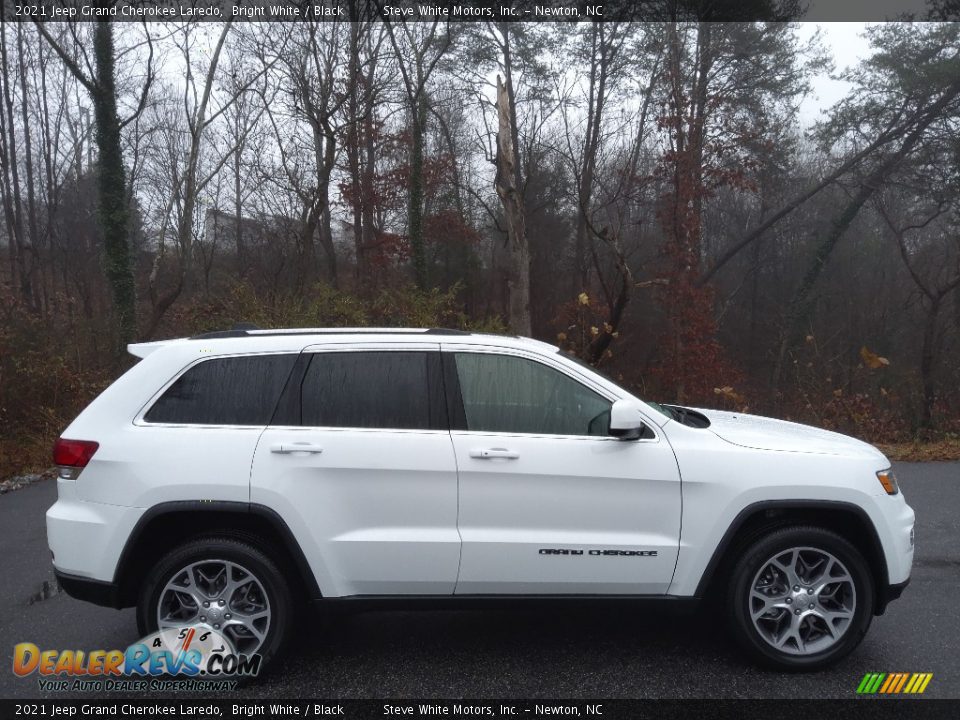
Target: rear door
549, 502
360, 464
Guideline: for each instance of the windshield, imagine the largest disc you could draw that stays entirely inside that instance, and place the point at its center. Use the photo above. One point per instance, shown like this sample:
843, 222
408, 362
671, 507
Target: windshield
660, 409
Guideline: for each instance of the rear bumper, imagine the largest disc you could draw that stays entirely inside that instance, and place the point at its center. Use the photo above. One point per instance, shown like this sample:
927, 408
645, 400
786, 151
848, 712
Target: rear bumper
97, 592
888, 594
86, 537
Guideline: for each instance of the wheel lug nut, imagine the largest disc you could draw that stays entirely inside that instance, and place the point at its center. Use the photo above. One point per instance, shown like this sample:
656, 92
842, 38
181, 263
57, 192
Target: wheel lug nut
220, 601
797, 611
811, 606
217, 626
202, 619
796, 588
789, 601
227, 616
206, 604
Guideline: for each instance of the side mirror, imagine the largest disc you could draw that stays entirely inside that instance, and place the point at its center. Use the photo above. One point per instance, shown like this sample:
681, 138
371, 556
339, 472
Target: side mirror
626, 422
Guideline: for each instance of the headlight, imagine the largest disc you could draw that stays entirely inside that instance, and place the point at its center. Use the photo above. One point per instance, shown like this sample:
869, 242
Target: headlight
889, 481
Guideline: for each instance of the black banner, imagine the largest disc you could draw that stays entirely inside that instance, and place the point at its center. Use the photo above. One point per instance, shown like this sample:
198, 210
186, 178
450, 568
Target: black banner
875, 709
480, 10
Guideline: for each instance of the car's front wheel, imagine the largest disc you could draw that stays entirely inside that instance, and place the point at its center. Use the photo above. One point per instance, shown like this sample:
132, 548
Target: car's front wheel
800, 598
221, 583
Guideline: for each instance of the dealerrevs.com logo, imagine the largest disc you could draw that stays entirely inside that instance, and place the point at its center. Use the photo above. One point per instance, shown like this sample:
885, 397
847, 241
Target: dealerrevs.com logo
197, 657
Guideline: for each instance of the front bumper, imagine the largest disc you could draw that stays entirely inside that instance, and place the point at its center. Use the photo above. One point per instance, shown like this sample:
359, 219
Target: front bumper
894, 521
888, 594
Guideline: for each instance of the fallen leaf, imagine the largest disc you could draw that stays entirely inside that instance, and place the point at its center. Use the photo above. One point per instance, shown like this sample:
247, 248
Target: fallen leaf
872, 360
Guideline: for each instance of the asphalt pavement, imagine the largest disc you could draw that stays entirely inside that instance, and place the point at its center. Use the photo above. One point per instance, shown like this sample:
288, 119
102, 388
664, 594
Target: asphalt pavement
625, 652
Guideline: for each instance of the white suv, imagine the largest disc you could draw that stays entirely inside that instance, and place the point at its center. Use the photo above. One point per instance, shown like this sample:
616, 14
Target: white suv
228, 477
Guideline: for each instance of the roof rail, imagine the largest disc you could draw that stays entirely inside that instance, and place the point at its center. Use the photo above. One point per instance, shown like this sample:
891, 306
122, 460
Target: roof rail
248, 330
238, 330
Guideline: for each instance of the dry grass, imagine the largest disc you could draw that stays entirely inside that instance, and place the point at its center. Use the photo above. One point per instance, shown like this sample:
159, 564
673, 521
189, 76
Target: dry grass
923, 451
24, 455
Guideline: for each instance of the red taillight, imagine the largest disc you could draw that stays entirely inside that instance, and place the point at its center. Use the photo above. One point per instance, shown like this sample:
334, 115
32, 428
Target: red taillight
71, 456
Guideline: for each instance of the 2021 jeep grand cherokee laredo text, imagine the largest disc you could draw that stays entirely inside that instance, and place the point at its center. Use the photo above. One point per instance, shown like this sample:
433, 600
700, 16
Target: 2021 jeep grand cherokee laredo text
228, 477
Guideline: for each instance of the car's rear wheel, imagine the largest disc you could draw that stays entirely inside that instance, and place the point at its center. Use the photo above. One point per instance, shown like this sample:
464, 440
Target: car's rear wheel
224, 584
801, 598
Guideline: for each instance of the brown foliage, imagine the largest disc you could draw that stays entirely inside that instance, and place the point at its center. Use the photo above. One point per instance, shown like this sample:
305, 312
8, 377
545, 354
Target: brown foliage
45, 381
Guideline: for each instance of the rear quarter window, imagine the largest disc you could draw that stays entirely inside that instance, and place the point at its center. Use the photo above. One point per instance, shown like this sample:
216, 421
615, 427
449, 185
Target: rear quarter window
224, 391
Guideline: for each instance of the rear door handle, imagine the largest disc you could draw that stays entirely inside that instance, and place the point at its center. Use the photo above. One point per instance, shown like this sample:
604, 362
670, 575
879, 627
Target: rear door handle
296, 447
491, 453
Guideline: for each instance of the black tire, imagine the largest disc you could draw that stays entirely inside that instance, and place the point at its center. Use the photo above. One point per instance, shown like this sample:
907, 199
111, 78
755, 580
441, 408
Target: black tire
750, 563
282, 606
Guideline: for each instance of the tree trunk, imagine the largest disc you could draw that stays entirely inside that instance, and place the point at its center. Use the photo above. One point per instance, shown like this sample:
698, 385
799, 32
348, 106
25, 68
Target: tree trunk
697, 138
323, 189
238, 207
518, 274
307, 260
415, 204
587, 160
34, 233
114, 210
14, 194
368, 181
353, 151
927, 361
326, 242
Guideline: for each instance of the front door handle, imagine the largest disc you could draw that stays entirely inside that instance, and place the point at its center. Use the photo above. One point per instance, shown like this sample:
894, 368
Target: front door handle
491, 453
296, 447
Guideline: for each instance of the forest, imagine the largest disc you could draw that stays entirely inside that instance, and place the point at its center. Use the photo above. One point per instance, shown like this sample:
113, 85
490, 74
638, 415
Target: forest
645, 195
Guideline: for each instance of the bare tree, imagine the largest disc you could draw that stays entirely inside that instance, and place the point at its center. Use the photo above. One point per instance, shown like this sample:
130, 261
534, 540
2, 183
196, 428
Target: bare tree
200, 110
933, 264
420, 48
100, 83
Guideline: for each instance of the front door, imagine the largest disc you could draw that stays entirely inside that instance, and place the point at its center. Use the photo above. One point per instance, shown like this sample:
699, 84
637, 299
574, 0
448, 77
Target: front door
549, 502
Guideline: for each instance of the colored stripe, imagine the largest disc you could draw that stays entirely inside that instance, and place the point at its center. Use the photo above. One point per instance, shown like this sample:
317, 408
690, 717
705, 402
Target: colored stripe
876, 683
926, 681
861, 688
903, 681
913, 681
916, 686
890, 686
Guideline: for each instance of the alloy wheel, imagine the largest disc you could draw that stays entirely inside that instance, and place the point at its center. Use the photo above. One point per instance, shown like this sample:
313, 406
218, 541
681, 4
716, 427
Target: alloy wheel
219, 594
802, 600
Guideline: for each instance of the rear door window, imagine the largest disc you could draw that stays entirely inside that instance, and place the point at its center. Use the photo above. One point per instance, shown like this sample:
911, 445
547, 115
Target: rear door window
225, 391
391, 390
